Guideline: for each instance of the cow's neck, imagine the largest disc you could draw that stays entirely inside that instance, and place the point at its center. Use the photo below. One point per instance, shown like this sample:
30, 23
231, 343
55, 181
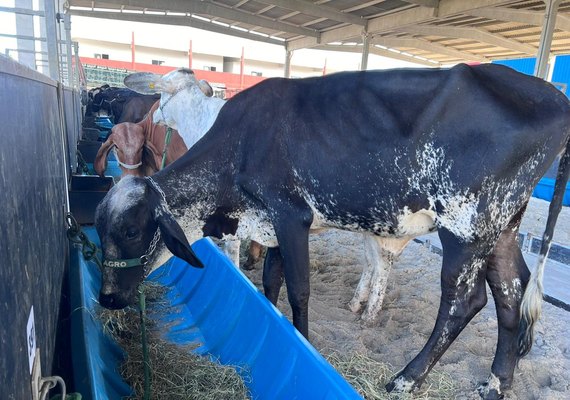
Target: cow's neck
195, 114
200, 181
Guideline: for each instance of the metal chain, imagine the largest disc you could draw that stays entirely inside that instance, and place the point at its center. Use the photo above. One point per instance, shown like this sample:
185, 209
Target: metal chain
77, 236
82, 164
157, 188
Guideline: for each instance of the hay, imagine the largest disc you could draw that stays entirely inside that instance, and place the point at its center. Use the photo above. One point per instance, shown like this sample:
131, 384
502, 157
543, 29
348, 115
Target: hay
179, 374
176, 372
369, 377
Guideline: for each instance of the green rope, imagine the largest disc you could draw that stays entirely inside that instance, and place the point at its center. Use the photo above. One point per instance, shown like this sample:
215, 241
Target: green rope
146, 360
166, 144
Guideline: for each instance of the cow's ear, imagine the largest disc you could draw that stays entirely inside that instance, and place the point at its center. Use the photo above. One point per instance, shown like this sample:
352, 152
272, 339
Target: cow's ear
100, 163
205, 88
175, 239
146, 83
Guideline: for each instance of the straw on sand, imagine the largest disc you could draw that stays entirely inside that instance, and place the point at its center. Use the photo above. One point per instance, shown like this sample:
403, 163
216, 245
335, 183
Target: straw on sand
369, 377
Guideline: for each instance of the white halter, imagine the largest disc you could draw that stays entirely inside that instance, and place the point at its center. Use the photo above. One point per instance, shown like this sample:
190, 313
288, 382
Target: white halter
122, 164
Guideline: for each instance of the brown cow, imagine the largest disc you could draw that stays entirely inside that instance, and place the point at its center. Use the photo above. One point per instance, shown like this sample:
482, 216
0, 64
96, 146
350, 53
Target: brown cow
139, 147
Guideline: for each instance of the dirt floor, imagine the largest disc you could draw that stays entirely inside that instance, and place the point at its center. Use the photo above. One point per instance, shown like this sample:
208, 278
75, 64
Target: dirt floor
409, 312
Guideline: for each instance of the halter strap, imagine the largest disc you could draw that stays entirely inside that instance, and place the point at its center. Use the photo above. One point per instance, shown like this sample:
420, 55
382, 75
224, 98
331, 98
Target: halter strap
129, 166
161, 106
125, 165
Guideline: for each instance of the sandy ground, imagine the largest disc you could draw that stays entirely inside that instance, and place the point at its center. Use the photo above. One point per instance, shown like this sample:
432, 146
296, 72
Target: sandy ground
409, 312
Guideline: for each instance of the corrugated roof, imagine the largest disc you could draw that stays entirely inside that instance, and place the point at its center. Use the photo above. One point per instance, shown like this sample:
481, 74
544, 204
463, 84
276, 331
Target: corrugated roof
431, 32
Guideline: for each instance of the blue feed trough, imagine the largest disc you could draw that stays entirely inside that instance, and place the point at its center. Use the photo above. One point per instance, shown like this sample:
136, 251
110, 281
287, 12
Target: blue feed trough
222, 312
545, 190
104, 123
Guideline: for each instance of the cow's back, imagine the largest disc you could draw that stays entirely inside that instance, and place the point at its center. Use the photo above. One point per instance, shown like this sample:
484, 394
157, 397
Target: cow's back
364, 145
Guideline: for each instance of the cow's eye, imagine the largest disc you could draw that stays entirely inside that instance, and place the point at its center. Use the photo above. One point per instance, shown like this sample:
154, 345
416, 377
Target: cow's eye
132, 233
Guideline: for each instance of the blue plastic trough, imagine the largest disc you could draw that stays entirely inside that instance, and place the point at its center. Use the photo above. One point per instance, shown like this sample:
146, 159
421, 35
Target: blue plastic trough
545, 189
104, 122
222, 312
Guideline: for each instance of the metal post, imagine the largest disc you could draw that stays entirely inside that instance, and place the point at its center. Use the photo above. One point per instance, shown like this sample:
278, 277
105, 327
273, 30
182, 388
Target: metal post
133, 50
77, 65
52, 39
288, 57
69, 60
241, 67
541, 66
190, 55
25, 27
365, 51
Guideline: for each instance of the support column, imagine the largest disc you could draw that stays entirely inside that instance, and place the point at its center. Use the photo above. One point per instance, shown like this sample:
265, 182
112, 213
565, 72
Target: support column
288, 57
190, 55
541, 66
52, 40
365, 51
241, 68
68, 58
25, 27
133, 50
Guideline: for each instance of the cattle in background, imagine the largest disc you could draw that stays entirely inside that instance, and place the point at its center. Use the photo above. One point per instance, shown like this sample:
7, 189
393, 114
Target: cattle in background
140, 147
190, 107
121, 104
395, 153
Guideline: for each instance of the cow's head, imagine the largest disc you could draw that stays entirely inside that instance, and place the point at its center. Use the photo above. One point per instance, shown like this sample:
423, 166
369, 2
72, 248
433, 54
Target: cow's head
136, 155
168, 86
127, 221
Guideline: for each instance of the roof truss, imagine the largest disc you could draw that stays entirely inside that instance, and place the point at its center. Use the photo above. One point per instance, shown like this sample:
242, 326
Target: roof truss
444, 31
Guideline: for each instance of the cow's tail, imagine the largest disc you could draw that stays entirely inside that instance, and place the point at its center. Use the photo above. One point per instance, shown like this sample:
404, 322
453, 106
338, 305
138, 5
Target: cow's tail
531, 305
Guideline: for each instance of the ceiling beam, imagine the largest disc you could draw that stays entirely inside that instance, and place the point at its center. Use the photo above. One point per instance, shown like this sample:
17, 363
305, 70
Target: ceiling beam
426, 45
385, 23
316, 10
214, 10
379, 52
535, 18
424, 3
478, 35
175, 20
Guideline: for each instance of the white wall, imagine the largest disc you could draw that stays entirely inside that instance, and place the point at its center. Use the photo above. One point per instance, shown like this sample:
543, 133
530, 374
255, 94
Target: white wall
171, 43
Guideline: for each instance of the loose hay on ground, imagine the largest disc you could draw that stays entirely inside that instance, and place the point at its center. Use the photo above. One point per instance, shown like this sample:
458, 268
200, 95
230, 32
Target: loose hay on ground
177, 373
369, 377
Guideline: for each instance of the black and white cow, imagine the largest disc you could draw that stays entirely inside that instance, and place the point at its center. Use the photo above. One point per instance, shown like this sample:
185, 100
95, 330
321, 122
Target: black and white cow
395, 153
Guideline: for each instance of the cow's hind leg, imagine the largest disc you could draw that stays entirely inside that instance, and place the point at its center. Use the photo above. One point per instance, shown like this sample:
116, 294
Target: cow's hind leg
463, 295
372, 263
507, 276
254, 253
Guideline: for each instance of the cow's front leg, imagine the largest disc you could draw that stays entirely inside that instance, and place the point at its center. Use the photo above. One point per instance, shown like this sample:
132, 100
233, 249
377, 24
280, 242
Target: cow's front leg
231, 249
463, 295
272, 274
292, 231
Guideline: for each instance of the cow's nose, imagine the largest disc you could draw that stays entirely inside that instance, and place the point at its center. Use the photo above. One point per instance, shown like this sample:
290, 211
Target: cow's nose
111, 301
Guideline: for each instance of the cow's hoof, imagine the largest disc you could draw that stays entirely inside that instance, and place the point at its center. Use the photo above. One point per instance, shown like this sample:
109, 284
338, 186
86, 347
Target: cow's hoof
248, 266
400, 384
491, 390
355, 306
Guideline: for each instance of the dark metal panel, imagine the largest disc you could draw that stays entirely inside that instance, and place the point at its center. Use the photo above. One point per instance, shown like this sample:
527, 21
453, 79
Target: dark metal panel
32, 231
72, 110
